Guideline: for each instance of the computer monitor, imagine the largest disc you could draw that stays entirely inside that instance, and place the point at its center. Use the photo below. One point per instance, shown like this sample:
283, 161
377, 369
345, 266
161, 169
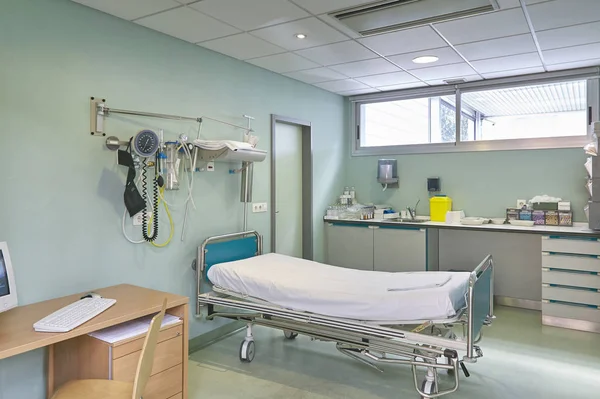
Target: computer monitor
8, 288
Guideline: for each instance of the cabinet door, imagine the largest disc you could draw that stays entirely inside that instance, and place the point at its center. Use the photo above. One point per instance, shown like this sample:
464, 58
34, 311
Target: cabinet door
400, 249
349, 246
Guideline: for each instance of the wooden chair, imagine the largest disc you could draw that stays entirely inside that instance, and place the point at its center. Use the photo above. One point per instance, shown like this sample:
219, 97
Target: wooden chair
109, 389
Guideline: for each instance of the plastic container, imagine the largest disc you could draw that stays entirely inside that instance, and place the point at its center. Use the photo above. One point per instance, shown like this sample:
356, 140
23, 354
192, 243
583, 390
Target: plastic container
512, 214
539, 217
565, 218
525, 215
438, 206
551, 218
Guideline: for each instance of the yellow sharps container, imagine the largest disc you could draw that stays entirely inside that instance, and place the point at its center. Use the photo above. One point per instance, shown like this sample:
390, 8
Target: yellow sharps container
438, 206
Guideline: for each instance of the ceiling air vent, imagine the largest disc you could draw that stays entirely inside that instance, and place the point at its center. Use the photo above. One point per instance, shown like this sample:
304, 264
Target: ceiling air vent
391, 15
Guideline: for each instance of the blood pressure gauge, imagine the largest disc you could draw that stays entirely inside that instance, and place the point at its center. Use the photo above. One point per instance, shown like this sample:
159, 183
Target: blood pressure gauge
145, 143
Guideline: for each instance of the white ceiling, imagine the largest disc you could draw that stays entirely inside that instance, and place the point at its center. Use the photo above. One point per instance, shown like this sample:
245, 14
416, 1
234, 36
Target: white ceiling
524, 36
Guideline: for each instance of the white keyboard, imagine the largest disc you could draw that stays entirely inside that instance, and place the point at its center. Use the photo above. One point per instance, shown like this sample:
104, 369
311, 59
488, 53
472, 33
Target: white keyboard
73, 315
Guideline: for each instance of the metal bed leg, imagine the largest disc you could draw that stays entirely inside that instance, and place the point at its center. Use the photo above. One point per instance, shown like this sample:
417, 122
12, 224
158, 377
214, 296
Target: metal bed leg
247, 349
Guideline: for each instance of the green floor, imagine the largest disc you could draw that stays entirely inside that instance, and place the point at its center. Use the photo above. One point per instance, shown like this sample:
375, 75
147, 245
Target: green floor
522, 359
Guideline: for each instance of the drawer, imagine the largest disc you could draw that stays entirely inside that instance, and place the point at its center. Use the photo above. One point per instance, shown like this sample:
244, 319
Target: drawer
572, 279
571, 262
178, 396
572, 295
168, 354
584, 246
571, 312
166, 384
125, 348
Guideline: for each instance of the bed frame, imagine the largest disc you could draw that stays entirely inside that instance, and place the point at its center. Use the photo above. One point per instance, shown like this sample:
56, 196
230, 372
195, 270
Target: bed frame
431, 346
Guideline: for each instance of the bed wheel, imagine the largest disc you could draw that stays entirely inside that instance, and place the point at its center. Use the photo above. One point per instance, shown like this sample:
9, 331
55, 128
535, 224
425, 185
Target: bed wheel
247, 351
290, 334
428, 387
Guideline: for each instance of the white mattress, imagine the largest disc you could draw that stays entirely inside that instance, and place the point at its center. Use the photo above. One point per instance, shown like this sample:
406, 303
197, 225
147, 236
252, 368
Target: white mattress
304, 285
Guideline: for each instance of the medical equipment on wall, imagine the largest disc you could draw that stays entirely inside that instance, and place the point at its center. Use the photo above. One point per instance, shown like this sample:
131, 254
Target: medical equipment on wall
174, 163
387, 173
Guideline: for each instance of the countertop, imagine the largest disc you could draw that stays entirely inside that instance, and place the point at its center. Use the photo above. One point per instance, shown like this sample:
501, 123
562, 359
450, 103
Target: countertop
578, 229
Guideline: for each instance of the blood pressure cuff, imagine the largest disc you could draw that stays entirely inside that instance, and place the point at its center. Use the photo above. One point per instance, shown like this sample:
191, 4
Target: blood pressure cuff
132, 197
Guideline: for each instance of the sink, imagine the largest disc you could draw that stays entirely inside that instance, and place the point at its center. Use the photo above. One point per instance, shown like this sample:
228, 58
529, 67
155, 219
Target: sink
406, 220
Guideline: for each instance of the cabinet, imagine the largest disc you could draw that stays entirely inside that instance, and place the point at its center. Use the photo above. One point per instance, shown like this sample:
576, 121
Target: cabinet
387, 249
571, 283
119, 360
349, 246
399, 249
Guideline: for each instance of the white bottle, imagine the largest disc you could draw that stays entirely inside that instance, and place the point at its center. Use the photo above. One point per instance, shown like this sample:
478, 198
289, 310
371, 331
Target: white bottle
353, 195
346, 191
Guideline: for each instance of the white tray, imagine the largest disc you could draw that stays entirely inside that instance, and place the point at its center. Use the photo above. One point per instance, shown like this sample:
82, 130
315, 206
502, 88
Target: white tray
472, 221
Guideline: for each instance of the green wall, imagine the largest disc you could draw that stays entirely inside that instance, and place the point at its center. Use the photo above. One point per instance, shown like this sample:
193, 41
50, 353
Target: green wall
480, 183
62, 190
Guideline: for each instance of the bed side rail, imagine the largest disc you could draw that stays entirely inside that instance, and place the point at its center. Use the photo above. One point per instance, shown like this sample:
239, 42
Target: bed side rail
224, 248
481, 303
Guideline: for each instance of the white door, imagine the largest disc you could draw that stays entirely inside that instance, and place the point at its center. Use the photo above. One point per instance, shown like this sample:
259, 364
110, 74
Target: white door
288, 189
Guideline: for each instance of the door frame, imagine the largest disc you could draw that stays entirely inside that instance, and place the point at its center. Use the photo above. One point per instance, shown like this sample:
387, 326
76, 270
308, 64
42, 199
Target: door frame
307, 195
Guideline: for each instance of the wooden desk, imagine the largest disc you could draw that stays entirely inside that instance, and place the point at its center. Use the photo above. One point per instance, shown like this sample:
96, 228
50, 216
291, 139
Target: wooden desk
18, 336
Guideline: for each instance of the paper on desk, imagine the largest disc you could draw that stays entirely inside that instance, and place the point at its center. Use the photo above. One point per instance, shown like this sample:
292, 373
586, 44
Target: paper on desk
131, 329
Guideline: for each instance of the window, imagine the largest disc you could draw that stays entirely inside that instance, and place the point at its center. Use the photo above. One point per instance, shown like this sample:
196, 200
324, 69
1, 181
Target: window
407, 122
548, 112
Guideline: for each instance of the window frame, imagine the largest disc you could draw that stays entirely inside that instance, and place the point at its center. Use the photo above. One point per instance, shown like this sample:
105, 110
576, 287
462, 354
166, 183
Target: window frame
593, 102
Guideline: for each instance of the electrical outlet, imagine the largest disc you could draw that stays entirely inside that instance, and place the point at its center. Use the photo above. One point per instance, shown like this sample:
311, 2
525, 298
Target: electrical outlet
259, 207
210, 166
138, 220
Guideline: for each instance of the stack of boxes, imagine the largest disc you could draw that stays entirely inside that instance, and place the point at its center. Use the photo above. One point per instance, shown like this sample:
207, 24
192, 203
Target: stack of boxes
544, 213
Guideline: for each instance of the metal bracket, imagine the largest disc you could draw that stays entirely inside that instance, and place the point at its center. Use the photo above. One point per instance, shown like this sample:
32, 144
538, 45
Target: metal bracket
97, 116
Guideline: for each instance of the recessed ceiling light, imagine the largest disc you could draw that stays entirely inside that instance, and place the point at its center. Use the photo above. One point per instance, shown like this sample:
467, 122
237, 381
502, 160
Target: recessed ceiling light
300, 36
426, 59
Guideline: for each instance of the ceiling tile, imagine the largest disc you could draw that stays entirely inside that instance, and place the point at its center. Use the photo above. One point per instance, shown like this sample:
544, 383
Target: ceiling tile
572, 54
248, 15
446, 56
316, 75
130, 9
578, 64
286, 62
317, 34
404, 41
440, 82
342, 85
187, 24
484, 27
529, 60
402, 86
498, 47
559, 13
367, 67
323, 6
513, 72
444, 71
242, 46
387, 79
357, 92
569, 36
337, 53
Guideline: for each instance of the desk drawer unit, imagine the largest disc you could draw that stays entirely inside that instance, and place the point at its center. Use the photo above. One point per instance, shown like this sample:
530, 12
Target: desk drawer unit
571, 283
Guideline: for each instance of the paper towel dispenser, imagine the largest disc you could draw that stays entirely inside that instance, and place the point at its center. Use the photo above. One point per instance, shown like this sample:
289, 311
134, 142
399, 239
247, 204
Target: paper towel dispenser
387, 172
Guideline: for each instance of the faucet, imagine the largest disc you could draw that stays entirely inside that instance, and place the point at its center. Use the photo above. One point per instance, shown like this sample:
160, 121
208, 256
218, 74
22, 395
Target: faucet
413, 211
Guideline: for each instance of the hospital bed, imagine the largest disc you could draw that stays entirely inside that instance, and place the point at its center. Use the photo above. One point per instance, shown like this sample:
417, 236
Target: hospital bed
373, 317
